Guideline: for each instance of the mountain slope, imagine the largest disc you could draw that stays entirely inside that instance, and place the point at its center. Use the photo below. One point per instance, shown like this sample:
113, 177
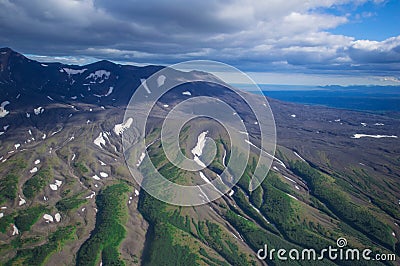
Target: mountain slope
66, 190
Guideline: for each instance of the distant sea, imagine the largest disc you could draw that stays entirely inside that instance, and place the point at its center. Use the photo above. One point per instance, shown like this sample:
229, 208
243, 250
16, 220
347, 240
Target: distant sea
363, 98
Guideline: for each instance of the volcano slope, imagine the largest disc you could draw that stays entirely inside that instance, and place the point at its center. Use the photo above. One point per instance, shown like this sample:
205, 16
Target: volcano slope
68, 198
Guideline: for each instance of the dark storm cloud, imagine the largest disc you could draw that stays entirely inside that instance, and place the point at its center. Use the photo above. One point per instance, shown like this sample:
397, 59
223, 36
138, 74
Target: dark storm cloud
255, 35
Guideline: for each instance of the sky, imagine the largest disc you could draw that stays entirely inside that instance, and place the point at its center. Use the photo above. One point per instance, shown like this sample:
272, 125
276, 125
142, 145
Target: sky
295, 42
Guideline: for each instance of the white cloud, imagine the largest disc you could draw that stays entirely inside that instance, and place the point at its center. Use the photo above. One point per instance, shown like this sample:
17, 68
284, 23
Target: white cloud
366, 51
269, 35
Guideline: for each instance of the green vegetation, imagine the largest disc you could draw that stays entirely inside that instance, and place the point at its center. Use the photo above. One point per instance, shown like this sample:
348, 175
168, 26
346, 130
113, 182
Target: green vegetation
8, 188
163, 251
5, 223
217, 165
28, 217
255, 236
9, 182
227, 249
256, 197
109, 231
243, 203
39, 254
35, 184
82, 169
236, 160
70, 203
165, 225
340, 203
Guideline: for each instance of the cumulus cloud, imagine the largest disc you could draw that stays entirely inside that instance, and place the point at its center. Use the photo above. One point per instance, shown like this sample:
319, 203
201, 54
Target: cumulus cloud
366, 51
257, 35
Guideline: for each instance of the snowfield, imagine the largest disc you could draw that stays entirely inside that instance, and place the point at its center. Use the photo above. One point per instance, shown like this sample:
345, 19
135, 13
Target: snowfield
3, 111
197, 151
100, 75
119, 128
100, 140
70, 71
358, 136
144, 84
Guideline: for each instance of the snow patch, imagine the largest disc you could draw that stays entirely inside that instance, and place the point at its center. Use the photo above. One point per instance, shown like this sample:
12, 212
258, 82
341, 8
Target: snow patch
110, 90
205, 179
301, 158
70, 71
288, 178
15, 230
100, 140
33, 170
364, 124
144, 84
17, 146
57, 216
188, 93
56, 185
357, 136
136, 192
293, 197
379, 124
119, 128
56, 132
100, 75
161, 80
141, 159
91, 195
3, 111
103, 174
293, 115
22, 201
48, 218
230, 194
38, 110
96, 177
198, 149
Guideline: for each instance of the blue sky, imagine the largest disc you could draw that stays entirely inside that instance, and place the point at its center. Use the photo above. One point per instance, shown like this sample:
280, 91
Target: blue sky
296, 42
377, 21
